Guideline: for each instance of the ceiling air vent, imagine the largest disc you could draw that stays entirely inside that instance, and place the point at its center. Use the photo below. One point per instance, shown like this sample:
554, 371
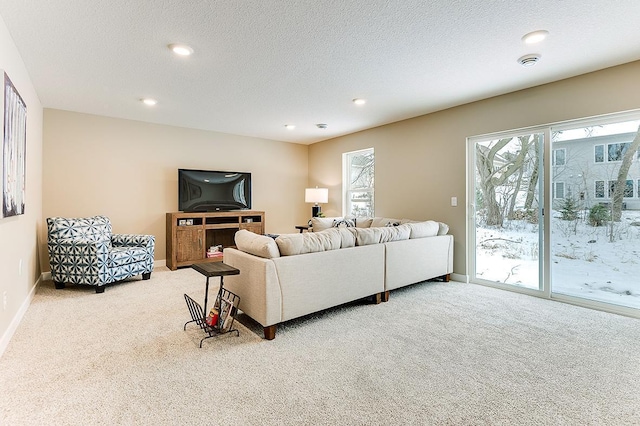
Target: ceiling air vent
529, 60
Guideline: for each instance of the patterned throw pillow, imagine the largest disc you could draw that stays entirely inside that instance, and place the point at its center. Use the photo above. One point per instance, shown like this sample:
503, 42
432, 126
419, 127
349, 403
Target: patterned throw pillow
393, 224
344, 223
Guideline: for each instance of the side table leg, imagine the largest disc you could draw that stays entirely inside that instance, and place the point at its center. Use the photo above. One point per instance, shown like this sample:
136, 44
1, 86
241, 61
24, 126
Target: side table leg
206, 298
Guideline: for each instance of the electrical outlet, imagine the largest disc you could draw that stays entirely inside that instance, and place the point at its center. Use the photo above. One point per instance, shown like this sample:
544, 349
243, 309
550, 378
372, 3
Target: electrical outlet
4, 301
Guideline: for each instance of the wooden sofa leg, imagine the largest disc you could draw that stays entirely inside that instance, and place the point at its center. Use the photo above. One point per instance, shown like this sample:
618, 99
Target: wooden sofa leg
377, 298
385, 296
146, 276
270, 332
59, 285
100, 289
446, 278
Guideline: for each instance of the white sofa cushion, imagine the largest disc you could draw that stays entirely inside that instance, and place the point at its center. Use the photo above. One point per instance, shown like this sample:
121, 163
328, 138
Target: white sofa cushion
363, 222
309, 242
384, 221
258, 245
443, 228
376, 235
428, 228
319, 224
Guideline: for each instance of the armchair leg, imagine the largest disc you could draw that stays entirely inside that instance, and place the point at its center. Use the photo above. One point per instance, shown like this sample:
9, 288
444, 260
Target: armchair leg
100, 289
146, 276
59, 285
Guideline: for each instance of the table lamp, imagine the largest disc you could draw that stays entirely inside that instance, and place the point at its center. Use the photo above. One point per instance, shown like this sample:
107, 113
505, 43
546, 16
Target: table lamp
316, 195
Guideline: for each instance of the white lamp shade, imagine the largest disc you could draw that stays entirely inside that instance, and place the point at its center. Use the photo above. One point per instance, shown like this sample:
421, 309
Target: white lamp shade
316, 195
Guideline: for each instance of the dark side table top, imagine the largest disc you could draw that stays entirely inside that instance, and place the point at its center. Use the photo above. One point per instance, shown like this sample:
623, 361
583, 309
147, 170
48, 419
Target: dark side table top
215, 269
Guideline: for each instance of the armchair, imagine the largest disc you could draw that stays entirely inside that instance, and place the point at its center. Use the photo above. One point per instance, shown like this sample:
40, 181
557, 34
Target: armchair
85, 251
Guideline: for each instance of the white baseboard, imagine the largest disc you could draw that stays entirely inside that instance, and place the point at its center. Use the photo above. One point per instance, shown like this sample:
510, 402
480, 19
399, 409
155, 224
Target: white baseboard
460, 278
13, 326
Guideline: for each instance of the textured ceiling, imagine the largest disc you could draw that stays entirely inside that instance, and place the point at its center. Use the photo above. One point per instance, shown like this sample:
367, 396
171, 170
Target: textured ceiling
261, 64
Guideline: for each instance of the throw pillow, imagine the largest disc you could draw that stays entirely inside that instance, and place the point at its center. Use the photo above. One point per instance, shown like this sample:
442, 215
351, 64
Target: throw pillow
382, 221
392, 224
321, 223
443, 228
344, 223
363, 222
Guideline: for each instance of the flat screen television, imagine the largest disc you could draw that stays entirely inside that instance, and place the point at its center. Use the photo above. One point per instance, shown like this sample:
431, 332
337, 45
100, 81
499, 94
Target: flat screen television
210, 191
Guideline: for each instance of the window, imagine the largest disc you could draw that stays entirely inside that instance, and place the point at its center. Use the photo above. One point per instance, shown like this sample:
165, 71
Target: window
599, 189
357, 183
558, 190
615, 151
559, 157
628, 188
598, 153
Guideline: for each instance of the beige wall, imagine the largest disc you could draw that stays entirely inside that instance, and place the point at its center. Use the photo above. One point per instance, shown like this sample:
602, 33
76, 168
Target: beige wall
128, 171
18, 233
421, 162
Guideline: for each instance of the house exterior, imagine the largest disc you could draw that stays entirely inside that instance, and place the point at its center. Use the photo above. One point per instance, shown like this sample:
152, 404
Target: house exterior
587, 170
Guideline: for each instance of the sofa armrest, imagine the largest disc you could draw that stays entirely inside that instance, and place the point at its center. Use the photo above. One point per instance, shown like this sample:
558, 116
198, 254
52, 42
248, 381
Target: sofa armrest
133, 240
257, 285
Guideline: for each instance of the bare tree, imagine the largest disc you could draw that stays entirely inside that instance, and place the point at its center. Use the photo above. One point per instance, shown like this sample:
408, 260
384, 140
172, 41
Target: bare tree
620, 185
494, 170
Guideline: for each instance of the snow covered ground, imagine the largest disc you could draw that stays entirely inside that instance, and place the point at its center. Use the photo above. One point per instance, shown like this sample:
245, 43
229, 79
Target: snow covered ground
584, 261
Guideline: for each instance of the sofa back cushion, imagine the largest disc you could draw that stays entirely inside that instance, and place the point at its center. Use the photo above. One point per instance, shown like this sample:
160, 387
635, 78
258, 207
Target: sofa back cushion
428, 228
257, 245
376, 235
310, 242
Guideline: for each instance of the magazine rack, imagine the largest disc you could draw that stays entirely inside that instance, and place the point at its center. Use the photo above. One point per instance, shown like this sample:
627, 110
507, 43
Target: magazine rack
227, 306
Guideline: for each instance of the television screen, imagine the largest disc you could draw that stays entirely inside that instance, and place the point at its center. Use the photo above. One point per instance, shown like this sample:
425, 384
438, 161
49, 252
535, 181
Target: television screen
209, 191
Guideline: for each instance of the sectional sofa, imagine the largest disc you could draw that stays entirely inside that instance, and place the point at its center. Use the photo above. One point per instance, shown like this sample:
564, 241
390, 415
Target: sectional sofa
293, 275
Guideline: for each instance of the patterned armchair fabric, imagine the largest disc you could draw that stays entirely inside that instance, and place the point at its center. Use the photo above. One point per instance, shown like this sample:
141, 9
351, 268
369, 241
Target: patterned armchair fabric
84, 251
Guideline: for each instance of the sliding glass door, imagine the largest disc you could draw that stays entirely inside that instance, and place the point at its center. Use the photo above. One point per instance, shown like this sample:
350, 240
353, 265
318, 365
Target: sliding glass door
506, 213
595, 227
555, 212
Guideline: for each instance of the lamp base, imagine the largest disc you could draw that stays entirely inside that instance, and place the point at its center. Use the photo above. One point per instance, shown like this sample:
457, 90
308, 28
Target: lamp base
315, 211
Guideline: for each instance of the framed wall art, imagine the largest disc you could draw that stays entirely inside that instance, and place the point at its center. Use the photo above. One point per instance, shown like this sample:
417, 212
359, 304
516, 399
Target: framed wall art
14, 150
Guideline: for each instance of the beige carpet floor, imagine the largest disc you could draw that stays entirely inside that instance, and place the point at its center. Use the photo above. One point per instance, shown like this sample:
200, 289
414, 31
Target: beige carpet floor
435, 354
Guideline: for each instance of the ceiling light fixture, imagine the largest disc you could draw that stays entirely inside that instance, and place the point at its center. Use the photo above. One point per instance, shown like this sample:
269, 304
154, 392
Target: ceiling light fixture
535, 36
181, 49
529, 60
149, 101
321, 126
359, 101
290, 126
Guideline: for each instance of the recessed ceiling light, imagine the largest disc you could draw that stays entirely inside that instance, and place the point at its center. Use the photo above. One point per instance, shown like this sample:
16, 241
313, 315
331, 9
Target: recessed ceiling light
181, 49
149, 101
290, 126
359, 101
529, 60
535, 36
